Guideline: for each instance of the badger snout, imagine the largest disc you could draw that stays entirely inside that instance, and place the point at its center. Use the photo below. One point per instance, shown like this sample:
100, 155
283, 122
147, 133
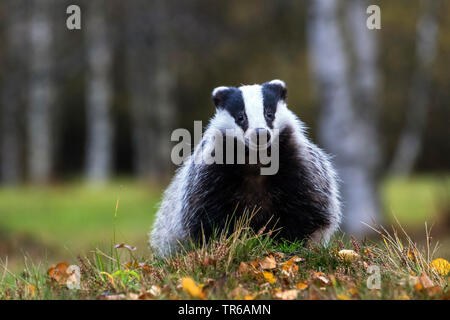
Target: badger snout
259, 138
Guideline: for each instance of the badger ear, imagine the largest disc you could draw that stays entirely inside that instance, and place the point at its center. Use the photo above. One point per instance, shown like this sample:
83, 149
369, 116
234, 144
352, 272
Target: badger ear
219, 94
278, 87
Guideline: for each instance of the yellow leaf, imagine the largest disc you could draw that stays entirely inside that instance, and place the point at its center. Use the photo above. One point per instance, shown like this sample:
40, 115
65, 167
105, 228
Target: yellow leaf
192, 288
441, 266
348, 255
353, 291
289, 267
269, 277
302, 286
343, 297
250, 296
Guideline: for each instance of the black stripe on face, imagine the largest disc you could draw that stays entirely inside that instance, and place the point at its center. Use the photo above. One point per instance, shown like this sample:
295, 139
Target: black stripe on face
233, 102
272, 93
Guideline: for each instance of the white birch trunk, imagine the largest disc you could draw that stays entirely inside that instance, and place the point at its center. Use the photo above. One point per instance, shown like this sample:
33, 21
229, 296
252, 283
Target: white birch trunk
41, 93
345, 127
98, 94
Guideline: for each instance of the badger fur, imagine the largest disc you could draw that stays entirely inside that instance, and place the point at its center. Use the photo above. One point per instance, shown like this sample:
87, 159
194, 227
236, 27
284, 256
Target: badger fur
302, 197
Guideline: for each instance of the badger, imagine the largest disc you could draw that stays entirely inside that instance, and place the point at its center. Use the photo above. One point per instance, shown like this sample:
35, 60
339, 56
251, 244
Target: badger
302, 198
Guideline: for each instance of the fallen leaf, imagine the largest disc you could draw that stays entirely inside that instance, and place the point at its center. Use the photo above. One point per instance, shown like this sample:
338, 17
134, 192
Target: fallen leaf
321, 277
289, 267
425, 281
126, 246
243, 268
343, 297
348, 255
302, 285
353, 291
208, 261
433, 291
441, 266
268, 263
113, 297
58, 272
269, 277
286, 295
418, 286
189, 285
239, 292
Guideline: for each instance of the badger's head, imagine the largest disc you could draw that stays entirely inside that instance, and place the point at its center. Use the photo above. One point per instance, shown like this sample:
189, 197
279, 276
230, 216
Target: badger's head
250, 111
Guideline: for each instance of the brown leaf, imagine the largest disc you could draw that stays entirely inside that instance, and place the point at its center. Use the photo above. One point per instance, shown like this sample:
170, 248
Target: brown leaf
208, 261
425, 281
268, 263
287, 294
239, 293
243, 268
321, 277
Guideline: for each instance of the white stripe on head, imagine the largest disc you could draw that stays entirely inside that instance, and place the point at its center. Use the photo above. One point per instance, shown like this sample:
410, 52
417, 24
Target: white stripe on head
254, 106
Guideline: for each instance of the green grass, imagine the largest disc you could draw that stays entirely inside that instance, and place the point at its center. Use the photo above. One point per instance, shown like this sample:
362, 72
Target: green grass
63, 220
416, 199
43, 226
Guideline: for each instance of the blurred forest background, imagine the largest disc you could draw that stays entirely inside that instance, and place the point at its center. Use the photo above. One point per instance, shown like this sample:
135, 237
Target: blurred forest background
86, 115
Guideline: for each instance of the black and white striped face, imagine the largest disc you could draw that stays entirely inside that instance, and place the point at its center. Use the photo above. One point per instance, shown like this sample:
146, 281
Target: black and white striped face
252, 110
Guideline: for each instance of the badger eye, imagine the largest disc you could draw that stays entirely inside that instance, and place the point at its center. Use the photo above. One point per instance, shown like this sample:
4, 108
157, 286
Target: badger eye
269, 115
241, 117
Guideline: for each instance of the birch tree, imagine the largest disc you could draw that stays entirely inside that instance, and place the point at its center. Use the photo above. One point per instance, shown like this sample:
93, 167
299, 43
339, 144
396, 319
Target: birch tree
41, 93
347, 114
98, 94
12, 93
410, 141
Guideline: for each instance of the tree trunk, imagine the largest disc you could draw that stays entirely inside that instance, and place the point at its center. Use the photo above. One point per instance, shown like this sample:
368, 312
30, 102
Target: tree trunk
98, 95
346, 127
12, 91
41, 93
410, 141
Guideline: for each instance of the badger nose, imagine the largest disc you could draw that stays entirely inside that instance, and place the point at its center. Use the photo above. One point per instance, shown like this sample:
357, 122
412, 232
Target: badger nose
263, 136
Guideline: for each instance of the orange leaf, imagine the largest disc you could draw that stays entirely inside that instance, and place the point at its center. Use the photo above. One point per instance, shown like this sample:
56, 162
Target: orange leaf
302, 285
58, 272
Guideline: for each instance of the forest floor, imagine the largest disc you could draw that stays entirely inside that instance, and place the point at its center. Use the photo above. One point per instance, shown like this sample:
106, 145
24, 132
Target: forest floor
103, 233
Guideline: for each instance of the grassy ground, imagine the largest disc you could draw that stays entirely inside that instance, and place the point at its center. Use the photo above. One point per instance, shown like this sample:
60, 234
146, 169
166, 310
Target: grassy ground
41, 227
244, 265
